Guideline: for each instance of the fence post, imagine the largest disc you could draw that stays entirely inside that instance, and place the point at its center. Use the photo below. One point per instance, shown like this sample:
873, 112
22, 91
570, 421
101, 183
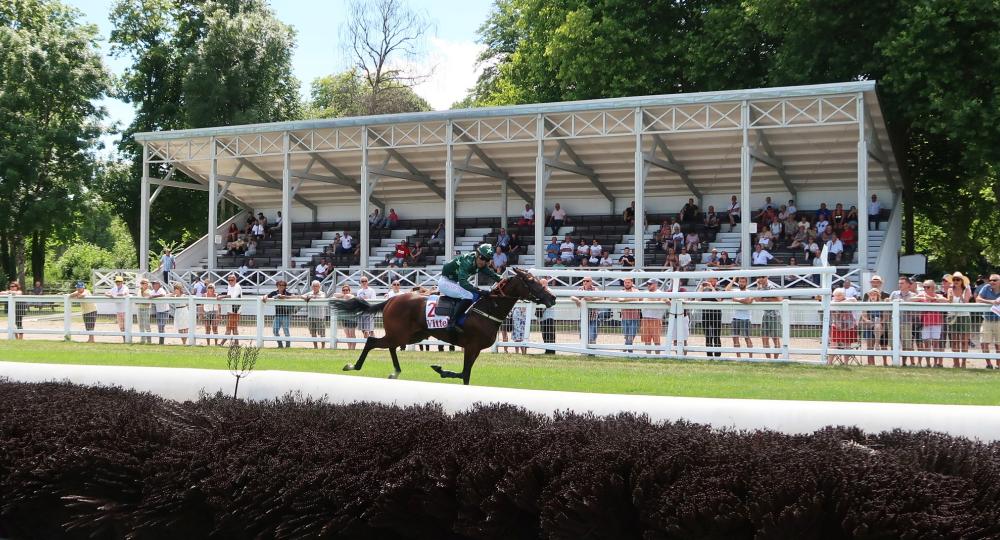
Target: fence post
897, 342
529, 316
192, 320
128, 319
333, 328
786, 328
584, 324
260, 321
674, 318
67, 317
11, 316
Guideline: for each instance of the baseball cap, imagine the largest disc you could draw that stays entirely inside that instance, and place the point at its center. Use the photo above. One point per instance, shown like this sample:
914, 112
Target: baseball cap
80, 285
119, 279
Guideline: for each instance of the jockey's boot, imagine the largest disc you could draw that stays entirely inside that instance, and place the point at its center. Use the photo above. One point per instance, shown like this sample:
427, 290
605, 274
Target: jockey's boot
458, 316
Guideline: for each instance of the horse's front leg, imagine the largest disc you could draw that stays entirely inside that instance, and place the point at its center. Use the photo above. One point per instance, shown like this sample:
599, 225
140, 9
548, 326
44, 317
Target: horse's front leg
371, 343
470, 359
395, 364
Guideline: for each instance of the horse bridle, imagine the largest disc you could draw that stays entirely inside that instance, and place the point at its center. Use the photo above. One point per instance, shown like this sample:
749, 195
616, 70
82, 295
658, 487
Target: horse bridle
504, 282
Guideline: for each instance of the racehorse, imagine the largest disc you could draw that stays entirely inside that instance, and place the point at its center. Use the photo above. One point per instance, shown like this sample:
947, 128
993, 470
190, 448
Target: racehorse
405, 323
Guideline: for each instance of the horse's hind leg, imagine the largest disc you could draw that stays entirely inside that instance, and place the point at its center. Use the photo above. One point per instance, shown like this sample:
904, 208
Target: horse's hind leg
371, 343
395, 363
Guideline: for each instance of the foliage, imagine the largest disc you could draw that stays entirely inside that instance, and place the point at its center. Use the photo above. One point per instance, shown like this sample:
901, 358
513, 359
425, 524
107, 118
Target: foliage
347, 94
80, 257
936, 62
194, 64
50, 77
86, 461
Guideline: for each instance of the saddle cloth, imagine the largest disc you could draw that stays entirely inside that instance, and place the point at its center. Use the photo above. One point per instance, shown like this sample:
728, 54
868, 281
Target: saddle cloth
436, 311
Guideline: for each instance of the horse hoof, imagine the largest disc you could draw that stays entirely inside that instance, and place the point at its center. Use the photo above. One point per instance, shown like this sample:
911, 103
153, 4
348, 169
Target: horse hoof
348, 367
394, 376
438, 369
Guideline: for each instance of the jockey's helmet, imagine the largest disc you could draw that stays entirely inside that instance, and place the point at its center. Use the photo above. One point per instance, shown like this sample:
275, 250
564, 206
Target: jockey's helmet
485, 251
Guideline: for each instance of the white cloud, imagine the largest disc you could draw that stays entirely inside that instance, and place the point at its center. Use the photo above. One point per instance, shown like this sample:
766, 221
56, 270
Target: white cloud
453, 71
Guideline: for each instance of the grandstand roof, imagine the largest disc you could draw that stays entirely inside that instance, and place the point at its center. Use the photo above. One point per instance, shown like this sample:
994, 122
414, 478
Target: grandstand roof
807, 134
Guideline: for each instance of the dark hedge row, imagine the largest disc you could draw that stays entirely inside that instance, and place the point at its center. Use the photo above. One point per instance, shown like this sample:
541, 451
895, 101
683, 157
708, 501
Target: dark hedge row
105, 463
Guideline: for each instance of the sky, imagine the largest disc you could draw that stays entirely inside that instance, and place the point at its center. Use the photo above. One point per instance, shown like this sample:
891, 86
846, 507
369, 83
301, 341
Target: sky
451, 46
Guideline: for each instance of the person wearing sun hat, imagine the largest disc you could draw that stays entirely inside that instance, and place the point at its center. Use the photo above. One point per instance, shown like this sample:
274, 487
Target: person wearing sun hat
120, 290
959, 323
88, 309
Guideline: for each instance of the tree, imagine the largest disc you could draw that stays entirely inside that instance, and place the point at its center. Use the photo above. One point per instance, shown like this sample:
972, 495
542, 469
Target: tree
50, 76
196, 63
347, 94
381, 36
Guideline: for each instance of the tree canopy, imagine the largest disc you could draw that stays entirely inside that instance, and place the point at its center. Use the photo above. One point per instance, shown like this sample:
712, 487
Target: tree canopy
347, 94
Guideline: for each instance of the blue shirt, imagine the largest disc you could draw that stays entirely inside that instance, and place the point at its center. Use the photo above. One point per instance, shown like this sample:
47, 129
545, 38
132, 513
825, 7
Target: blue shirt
552, 251
986, 293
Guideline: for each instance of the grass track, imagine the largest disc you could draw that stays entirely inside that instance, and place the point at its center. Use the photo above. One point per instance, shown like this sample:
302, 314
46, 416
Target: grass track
572, 373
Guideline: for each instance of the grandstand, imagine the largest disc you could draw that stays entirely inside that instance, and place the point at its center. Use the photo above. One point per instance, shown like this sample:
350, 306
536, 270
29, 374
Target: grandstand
474, 170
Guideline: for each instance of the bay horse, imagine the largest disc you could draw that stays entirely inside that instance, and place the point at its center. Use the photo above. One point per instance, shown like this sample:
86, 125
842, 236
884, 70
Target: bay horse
404, 319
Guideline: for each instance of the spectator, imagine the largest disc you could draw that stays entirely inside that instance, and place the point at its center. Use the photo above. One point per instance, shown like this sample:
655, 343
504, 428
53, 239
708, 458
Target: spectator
376, 220
850, 290
518, 317
416, 254
251, 250
282, 313
789, 226
503, 239
822, 223
852, 217
120, 290
262, 221
672, 262
14, 289
322, 269
514, 248
761, 257
557, 218
500, 260
392, 221
689, 213
277, 224
596, 250
684, 261
874, 212
527, 217
692, 242
350, 323
567, 251
713, 259
792, 261
676, 236
651, 327
582, 253
798, 239
630, 317
182, 315
627, 260
211, 311
366, 322
741, 318
876, 283
548, 322
711, 318
770, 324
234, 291
823, 213
145, 312
161, 309
663, 234
167, 265
233, 233
989, 332
437, 237
346, 244
836, 248
931, 324
873, 324
768, 205
629, 215
605, 261
765, 239
587, 285
734, 213
711, 219
725, 261
87, 309
258, 230
792, 210
843, 326
959, 323
552, 251
908, 319
401, 254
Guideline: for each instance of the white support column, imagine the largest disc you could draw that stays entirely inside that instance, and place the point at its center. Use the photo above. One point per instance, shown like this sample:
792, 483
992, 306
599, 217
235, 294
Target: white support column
144, 212
862, 185
449, 195
213, 203
897, 335
640, 172
540, 193
786, 328
746, 170
286, 203
503, 203
67, 317
366, 193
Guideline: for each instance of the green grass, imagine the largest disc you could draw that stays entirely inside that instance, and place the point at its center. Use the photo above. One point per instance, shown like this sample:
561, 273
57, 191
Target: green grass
571, 373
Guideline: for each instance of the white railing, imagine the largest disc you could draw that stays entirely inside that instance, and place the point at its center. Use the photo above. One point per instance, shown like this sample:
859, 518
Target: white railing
681, 325
256, 280
382, 278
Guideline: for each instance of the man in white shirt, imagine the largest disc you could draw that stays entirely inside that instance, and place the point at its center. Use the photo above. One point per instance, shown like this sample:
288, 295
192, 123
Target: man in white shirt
836, 248
556, 219
821, 225
761, 256
874, 212
528, 216
595, 253
791, 208
850, 291
767, 204
317, 313
566, 250
734, 213
605, 260
233, 312
684, 260
346, 244
322, 269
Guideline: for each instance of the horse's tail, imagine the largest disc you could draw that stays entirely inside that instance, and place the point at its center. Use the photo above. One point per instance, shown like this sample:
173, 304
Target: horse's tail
354, 306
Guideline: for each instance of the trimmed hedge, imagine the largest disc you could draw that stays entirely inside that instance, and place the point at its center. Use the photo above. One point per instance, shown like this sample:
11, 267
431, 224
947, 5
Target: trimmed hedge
79, 462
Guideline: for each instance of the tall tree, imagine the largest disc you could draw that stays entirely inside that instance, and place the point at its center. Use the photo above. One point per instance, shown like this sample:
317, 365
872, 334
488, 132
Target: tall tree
348, 94
50, 76
196, 63
384, 39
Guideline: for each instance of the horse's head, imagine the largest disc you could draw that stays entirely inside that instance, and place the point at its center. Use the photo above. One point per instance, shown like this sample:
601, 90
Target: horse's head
524, 286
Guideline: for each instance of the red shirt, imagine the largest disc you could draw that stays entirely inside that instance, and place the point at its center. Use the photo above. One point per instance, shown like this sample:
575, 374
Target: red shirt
848, 237
402, 250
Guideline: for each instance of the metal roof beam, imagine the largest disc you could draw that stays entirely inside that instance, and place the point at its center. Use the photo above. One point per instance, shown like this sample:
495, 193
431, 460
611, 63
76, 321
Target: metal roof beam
198, 178
580, 165
264, 174
488, 161
671, 164
176, 184
483, 172
247, 182
875, 150
768, 158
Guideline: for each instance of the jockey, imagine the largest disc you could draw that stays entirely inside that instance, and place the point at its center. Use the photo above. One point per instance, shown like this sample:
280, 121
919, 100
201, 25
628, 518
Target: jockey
455, 276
